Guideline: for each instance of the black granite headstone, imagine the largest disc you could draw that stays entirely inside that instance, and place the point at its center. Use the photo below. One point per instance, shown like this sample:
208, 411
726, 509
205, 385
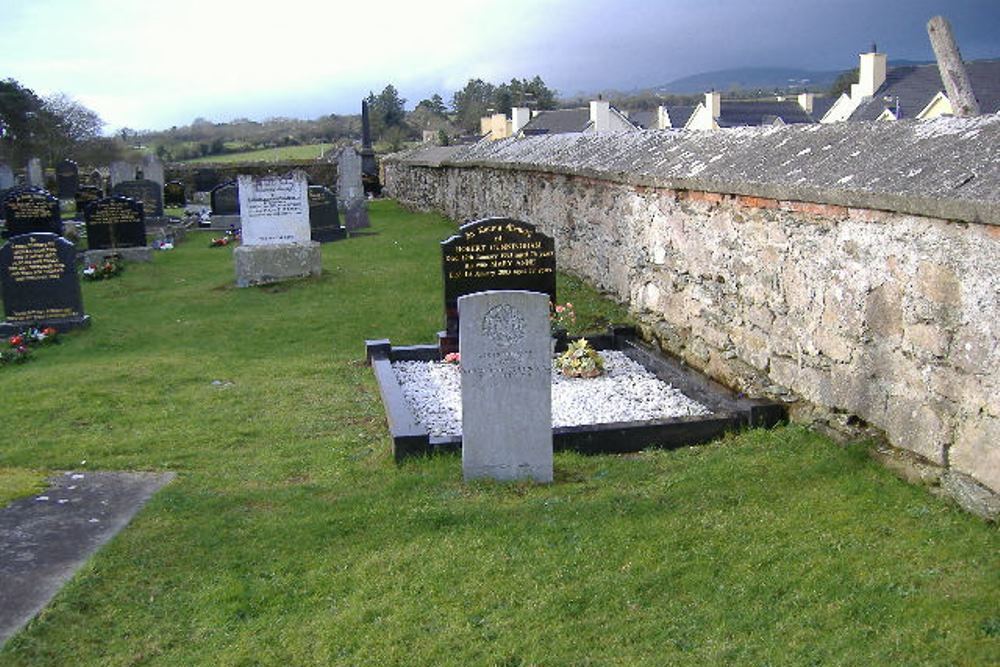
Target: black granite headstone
115, 222
226, 199
494, 254
173, 194
324, 220
206, 180
40, 285
148, 192
86, 195
67, 179
30, 210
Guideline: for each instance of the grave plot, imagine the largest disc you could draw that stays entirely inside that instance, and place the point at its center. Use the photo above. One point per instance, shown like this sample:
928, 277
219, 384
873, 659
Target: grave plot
645, 399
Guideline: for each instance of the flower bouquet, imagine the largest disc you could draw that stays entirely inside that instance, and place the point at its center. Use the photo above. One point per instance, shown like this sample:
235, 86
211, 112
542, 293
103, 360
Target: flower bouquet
109, 268
580, 360
18, 348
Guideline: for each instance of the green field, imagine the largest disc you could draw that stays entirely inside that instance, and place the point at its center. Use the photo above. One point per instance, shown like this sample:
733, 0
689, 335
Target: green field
291, 537
282, 154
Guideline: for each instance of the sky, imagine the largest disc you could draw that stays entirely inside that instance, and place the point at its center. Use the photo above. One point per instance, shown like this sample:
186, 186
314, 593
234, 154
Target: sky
153, 64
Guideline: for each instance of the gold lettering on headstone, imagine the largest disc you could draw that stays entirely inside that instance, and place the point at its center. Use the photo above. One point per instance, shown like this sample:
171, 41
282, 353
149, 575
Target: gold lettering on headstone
114, 213
36, 260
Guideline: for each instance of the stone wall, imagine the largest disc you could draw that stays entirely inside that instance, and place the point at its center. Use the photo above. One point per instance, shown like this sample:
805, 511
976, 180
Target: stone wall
865, 307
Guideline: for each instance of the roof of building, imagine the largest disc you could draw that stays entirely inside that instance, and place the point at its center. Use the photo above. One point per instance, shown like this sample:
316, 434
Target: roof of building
679, 115
946, 167
741, 113
558, 121
911, 88
645, 120
821, 105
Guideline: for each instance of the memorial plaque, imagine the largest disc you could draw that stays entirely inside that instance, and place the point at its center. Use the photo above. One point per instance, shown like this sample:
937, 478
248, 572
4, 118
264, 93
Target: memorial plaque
34, 176
324, 220
115, 222
206, 180
494, 254
31, 210
274, 209
40, 284
506, 386
67, 179
148, 192
121, 171
86, 195
226, 199
174, 195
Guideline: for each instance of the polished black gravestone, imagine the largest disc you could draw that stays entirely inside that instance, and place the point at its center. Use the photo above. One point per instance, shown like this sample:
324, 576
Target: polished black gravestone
30, 210
226, 199
324, 220
173, 194
85, 196
115, 222
40, 285
67, 179
148, 192
494, 254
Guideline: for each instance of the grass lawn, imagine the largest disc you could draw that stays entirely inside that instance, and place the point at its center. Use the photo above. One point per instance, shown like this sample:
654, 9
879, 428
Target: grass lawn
308, 152
291, 537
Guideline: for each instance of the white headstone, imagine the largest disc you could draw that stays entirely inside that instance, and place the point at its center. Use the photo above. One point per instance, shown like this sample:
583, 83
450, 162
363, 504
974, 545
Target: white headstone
274, 210
506, 366
34, 173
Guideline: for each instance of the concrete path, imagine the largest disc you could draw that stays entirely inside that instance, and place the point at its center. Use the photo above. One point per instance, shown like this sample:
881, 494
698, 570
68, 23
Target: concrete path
45, 538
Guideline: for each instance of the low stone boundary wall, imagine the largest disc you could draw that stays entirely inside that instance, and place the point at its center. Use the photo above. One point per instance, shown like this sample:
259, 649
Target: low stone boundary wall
872, 305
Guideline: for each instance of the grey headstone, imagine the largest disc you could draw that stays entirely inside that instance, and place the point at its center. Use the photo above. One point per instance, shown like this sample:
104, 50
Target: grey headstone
274, 209
121, 171
6, 177
152, 169
34, 173
506, 386
350, 190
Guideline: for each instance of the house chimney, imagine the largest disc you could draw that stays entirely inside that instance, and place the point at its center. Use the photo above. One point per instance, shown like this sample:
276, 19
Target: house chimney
953, 74
806, 102
519, 118
662, 118
871, 74
600, 116
713, 101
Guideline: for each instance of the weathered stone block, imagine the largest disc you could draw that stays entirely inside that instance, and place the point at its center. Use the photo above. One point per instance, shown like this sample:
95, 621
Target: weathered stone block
262, 264
976, 451
130, 254
917, 426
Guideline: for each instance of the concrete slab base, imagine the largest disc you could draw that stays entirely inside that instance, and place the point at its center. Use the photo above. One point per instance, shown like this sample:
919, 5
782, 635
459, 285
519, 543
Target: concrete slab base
46, 537
264, 264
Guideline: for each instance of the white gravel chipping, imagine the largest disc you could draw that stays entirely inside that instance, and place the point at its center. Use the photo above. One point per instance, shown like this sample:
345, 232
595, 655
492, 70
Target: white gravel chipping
626, 392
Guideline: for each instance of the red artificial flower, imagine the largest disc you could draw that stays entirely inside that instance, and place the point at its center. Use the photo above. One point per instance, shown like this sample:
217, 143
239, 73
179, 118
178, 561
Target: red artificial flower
49, 331
17, 340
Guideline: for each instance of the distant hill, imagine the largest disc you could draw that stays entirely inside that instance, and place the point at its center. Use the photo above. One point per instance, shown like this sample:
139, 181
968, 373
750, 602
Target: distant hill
762, 78
752, 78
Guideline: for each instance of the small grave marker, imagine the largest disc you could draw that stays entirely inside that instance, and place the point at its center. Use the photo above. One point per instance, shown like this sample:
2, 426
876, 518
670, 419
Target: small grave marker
494, 254
86, 195
120, 171
148, 192
226, 199
506, 386
39, 283
324, 219
350, 190
33, 174
67, 179
115, 222
174, 194
31, 210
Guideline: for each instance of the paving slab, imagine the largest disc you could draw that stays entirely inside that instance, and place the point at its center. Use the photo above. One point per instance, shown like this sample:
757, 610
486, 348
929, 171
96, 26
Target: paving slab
46, 537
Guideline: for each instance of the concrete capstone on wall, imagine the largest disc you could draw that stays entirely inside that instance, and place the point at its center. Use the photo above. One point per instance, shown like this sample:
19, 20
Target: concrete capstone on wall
858, 312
